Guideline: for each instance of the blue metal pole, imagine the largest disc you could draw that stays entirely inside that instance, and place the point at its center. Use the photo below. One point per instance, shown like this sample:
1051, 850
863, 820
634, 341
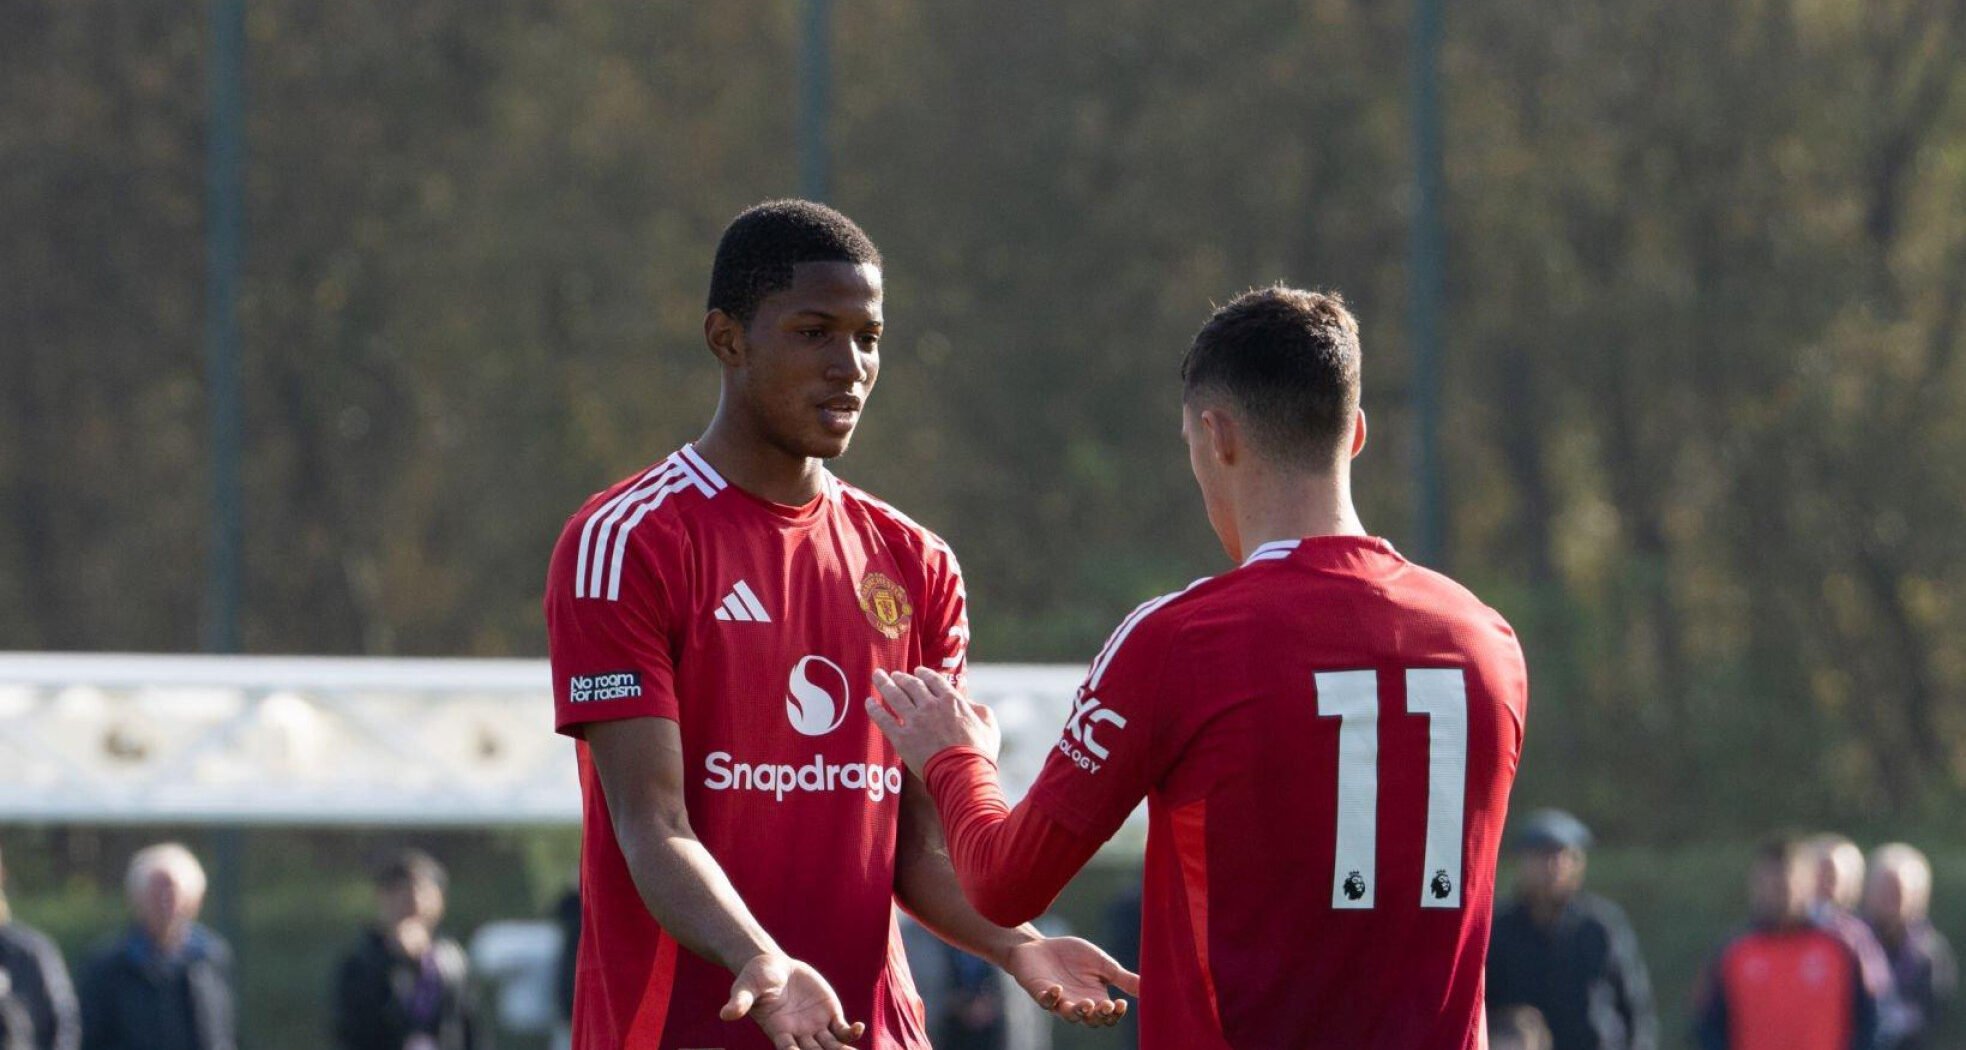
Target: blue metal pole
815, 104
225, 222
1424, 272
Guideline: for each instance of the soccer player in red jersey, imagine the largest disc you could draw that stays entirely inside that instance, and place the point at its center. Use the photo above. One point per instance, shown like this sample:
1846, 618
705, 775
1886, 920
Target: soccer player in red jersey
1325, 736
714, 623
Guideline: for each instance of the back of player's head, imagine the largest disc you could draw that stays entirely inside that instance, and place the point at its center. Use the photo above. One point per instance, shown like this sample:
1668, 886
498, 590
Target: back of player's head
759, 248
1287, 361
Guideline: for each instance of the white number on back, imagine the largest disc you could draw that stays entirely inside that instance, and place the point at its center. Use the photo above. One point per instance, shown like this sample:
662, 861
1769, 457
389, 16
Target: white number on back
1352, 697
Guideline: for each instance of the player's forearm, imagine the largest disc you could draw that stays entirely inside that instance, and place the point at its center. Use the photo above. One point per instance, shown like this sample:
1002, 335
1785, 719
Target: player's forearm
1011, 864
688, 893
925, 884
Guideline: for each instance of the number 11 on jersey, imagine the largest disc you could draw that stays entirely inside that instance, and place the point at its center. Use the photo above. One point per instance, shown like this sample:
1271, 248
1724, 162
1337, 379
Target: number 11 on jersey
1441, 696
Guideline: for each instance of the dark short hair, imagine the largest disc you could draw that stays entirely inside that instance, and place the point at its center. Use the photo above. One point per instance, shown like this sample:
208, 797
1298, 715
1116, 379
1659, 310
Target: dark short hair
403, 866
1786, 849
1288, 359
759, 248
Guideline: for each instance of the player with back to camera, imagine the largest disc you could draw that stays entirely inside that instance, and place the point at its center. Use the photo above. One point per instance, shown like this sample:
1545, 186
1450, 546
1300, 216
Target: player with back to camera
1326, 736
714, 622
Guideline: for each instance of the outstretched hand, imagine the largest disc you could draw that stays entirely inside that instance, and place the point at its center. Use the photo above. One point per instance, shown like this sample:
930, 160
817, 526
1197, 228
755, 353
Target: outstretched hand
792, 1003
923, 713
1073, 979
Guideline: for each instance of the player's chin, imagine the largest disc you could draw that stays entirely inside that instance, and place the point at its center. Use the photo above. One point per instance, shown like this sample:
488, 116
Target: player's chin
827, 442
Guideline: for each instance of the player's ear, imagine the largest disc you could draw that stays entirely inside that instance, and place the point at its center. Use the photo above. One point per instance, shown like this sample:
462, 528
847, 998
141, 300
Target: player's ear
1222, 436
724, 335
1358, 434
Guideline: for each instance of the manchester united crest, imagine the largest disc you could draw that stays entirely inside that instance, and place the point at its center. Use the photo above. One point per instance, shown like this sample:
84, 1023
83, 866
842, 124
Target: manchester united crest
886, 604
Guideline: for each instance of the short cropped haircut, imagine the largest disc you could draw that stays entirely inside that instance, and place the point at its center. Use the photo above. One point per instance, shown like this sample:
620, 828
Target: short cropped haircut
404, 866
1288, 361
1785, 849
759, 248
171, 858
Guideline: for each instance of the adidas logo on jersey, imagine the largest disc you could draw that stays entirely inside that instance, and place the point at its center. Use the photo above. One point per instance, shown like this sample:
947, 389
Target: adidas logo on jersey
742, 606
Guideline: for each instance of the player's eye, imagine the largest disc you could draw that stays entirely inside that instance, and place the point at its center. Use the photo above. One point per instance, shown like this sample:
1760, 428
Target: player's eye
813, 333
870, 339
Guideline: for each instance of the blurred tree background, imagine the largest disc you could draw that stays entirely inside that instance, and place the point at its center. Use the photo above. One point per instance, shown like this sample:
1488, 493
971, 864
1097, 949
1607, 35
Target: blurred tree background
1705, 438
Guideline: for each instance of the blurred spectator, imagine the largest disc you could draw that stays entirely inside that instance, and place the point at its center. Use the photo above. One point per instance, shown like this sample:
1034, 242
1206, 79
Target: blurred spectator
37, 1002
16, 1028
567, 914
1123, 941
968, 1009
1896, 900
1519, 1028
166, 982
1839, 867
1785, 983
965, 1003
403, 986
1569, 954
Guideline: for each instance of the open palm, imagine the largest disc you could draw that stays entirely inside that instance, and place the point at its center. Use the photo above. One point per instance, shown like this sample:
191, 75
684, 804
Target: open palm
1073, 979
792, 1003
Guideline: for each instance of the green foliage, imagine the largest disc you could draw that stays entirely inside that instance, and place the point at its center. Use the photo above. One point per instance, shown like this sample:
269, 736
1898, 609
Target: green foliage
1704, 431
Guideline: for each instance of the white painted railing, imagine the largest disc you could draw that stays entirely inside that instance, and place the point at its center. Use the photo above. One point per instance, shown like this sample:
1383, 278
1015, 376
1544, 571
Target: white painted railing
112, 738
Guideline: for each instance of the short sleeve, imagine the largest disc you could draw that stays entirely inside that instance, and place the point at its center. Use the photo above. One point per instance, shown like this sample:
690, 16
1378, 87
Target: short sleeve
612, 652
1106, 760
945, 636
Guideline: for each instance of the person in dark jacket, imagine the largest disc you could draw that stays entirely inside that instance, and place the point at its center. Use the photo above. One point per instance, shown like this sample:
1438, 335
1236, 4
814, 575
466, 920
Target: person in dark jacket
1897, 898
1839, 866
37, 1004
1570, 955
403, 986
166, 982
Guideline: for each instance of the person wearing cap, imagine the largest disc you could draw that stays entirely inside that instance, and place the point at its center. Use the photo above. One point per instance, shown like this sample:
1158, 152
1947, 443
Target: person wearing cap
403, 986
1570, 955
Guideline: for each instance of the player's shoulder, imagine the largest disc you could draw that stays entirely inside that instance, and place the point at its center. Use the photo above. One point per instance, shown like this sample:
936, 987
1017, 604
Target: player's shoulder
891, 523
1153, 625
648, 508
1600, 911
664, 491
25, 939
1443, 599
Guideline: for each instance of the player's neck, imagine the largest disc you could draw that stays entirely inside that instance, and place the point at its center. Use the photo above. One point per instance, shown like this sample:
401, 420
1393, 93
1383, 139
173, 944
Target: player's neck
1289, 505
760, 468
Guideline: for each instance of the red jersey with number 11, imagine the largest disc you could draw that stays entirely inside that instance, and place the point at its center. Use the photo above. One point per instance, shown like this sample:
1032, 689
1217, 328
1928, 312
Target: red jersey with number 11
1326, 737
757, 629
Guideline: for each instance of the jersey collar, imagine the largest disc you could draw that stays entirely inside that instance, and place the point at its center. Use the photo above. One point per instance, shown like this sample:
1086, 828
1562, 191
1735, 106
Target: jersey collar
1272, 551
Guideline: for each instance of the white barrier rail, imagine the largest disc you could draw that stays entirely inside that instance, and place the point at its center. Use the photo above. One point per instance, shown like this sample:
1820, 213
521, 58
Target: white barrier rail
121, 739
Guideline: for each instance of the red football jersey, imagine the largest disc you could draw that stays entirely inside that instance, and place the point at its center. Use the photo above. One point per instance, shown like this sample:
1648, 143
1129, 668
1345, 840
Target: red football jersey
757, 628
1788, 990
1326, 737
